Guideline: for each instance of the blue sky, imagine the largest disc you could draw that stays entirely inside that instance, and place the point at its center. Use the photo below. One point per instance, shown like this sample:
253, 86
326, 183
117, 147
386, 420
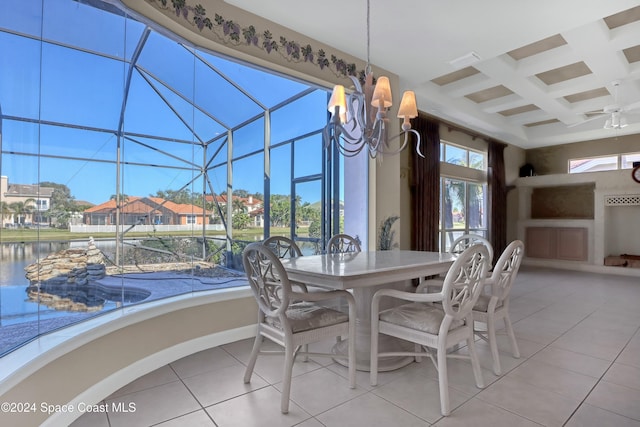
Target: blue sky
54, 83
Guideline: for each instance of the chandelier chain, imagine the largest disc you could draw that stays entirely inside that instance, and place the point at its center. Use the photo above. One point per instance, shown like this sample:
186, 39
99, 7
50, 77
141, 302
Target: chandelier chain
368, 67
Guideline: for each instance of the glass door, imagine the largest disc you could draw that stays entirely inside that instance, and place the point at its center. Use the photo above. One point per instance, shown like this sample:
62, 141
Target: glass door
306, 213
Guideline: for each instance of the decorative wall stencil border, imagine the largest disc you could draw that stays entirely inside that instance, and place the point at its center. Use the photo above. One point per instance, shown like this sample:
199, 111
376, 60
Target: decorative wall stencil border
622, 200
230, 34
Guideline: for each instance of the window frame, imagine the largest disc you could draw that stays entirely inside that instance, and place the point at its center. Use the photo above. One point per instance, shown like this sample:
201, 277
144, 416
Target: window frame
469, 176
620, 162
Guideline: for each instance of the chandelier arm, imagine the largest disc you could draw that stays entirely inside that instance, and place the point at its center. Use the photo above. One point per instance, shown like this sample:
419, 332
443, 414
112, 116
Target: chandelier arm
418, 141
387, 149
405, 142
344, 147
376, 135
347, 135
356, 107
356, 84
348, 145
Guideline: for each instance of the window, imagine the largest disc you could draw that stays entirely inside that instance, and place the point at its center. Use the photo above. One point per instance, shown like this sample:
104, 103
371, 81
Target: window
463, 210
462, 156
603, 163
463, 204
627, 160
156, 148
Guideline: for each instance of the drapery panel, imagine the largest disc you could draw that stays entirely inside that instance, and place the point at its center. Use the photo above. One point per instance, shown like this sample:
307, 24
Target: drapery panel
497, 197
425, 186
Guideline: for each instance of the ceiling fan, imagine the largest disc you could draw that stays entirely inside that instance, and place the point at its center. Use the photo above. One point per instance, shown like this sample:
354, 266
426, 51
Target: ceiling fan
615, 113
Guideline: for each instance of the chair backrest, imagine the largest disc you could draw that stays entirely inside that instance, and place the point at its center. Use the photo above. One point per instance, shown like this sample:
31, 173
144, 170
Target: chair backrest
464, 282
283, 247
463, 242
506, 269
342, 243
267, 278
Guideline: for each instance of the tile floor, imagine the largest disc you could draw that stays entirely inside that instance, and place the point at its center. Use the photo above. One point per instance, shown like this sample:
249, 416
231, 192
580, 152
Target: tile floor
579, 338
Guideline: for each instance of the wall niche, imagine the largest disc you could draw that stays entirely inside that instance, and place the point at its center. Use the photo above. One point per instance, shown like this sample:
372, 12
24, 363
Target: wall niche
563, 202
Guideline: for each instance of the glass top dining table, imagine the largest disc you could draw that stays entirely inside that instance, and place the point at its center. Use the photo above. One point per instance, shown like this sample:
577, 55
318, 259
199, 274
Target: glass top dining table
366, 272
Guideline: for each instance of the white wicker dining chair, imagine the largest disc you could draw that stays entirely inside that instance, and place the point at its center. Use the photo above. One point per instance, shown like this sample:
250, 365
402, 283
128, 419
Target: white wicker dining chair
283, 247
342, 243
435, 327
293, 319
493, 305
463, 242
457, 247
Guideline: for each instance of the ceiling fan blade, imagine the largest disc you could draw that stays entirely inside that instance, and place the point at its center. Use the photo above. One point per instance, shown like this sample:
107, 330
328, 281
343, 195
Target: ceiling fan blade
590, 119
631, 107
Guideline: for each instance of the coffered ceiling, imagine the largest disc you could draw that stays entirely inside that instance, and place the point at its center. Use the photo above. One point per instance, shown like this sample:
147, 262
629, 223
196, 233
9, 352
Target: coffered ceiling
532, 74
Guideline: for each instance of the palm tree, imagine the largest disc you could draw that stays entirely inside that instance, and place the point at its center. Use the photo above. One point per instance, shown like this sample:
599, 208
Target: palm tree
22, 209
5, 211
238, 205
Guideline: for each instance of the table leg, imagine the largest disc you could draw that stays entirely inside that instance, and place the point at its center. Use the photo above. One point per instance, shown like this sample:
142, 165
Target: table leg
363, 297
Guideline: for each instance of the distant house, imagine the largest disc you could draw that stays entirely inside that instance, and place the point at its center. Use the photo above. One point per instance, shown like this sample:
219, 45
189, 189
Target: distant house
76, 216
35, 200
257, 217
255, 209
145, 211
250, 205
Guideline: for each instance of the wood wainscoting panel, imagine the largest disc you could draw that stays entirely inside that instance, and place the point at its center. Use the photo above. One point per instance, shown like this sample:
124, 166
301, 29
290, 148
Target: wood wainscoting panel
573, 244
541, 242
565, 243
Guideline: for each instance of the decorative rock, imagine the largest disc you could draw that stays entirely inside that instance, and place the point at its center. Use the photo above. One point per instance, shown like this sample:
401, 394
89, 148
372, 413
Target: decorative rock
74, 267
67, 265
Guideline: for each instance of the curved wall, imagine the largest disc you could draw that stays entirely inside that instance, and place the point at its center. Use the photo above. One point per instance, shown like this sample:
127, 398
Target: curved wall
110, 353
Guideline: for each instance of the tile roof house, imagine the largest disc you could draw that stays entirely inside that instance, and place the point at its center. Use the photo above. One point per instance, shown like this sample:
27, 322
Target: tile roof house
145, 210
250, 203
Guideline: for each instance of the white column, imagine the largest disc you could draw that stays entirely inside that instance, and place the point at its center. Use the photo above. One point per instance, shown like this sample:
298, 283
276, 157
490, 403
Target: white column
356, 198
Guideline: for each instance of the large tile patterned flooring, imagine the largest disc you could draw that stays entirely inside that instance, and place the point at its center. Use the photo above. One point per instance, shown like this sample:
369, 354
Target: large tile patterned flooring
579, 338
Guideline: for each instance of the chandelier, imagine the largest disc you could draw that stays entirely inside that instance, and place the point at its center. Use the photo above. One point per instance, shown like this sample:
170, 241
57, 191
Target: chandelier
359, 119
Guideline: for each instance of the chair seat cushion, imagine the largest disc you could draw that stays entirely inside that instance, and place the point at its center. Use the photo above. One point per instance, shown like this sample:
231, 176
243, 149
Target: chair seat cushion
418, 316
483, 303
304, 316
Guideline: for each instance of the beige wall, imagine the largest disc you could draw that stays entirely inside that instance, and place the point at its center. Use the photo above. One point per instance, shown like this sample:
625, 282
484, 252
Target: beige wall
554, 160
71, 374
514, 158
388, 195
